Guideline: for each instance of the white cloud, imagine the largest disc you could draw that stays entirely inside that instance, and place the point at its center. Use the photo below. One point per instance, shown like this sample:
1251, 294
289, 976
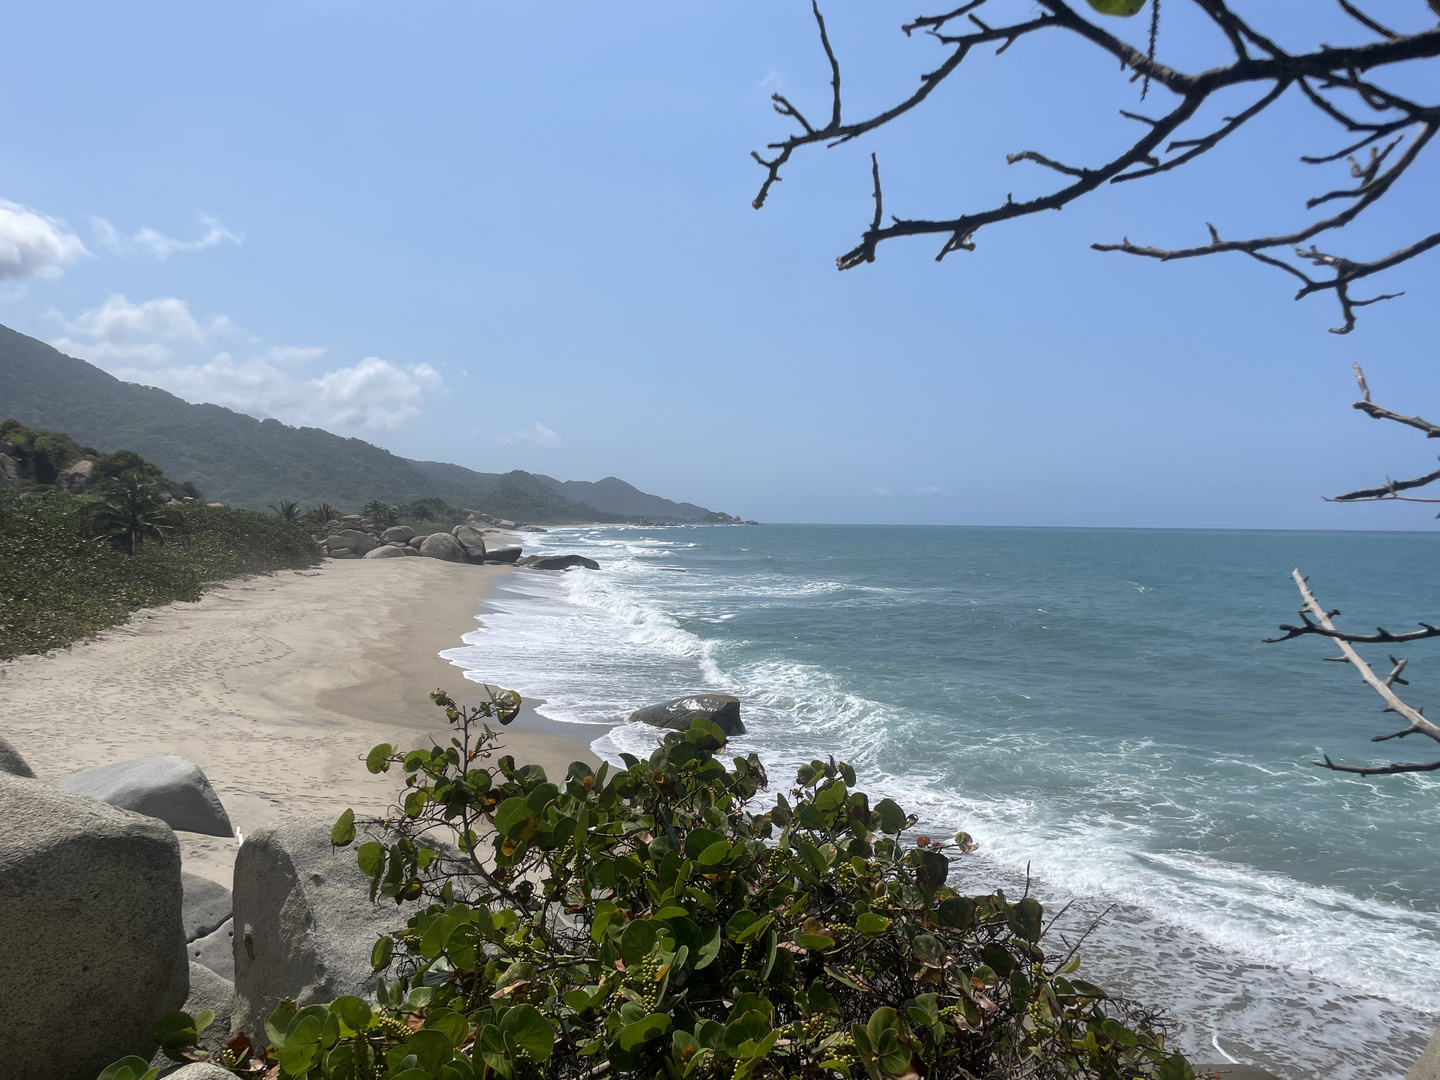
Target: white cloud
929, 490
161, 343
151, 242
879, 491
540, 435
34, 245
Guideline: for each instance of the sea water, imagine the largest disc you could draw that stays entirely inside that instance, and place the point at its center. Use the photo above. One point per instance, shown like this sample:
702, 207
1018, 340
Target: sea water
1094, 706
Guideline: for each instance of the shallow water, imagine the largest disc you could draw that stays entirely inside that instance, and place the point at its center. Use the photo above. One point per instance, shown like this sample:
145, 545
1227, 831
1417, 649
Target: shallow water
1092, 704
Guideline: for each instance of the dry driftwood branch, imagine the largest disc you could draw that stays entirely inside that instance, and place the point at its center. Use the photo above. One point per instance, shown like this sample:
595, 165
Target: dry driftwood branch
1385, 687
1391, 489
1339, 82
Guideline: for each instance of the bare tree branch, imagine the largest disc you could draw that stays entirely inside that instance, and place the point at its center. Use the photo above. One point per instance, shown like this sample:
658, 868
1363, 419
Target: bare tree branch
1418, 725
1321, 74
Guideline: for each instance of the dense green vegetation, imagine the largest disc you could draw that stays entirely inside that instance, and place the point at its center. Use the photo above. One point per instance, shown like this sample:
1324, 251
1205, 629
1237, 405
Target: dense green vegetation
659, 922
60, 582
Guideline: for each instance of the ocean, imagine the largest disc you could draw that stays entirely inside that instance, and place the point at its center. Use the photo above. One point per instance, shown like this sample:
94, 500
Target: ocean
1094, 707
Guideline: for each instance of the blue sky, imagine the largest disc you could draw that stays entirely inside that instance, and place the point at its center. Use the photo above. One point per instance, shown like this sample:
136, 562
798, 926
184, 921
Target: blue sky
481, 233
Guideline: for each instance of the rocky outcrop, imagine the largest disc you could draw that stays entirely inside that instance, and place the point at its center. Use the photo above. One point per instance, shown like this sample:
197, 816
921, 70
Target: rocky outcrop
503, 555
90, 901
165, 786
304, 922
386, 551
9, 469
442, 546
205, 906
353, 539
216, 950
471, 539
721, 709
557, 562
1428, 1067
397, 534
200, 1070
76, 477
11, 763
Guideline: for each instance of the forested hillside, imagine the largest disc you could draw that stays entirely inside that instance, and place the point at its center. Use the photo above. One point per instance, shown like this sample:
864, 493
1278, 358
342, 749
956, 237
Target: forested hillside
239, 460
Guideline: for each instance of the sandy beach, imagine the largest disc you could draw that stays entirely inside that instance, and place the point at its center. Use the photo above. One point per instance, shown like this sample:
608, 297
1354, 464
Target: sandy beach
276, 686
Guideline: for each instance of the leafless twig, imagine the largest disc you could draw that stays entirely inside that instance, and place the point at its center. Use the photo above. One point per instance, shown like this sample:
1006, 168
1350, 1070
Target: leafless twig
1330, 79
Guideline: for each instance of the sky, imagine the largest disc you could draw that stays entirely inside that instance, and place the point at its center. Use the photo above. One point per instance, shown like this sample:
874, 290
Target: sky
519, 237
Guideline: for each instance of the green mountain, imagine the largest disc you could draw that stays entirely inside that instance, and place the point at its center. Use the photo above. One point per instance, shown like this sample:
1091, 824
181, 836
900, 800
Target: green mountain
241, 461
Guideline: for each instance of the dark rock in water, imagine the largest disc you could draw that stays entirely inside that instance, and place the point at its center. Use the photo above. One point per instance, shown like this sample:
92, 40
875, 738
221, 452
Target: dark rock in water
471, 539
90, 920
442, 546
206, 905
165, 786
215, 950
557, 562
721, 709
503, 555
304, 923
11, 763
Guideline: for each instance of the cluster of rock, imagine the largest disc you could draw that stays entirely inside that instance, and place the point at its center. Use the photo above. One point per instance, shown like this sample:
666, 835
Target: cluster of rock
104, 933
352, 537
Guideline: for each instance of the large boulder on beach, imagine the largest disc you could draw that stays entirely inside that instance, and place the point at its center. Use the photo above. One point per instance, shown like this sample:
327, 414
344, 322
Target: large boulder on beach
165, 786
471, 539
557, 562
386, 551
205, 906
304, 923
216, 950
720, 709
397, 534
442, 546
503, 555
1428, 1067
210, 991
11, 763
90, 902
358, 542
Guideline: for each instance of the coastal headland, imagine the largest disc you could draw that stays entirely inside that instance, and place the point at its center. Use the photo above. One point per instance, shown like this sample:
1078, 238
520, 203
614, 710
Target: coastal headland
276, 686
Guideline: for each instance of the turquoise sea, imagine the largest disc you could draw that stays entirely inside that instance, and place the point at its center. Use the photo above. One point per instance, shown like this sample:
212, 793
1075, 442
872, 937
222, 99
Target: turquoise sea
1093, 706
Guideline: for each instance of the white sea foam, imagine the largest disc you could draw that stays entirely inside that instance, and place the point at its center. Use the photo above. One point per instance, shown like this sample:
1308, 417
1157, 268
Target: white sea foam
1262, 961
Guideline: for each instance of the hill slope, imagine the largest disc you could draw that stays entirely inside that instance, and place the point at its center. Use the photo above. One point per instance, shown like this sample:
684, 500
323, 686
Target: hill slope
237, 459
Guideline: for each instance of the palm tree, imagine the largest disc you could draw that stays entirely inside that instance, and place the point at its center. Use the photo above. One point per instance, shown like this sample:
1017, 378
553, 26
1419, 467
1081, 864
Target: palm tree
381, 513
322, 513
288, 510
131, 513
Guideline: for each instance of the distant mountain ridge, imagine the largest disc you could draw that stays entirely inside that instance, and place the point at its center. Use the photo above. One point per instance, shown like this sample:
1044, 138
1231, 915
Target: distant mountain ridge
237, 459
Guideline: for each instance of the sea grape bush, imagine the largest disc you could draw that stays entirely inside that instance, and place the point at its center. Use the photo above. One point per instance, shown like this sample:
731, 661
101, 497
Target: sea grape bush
657, 921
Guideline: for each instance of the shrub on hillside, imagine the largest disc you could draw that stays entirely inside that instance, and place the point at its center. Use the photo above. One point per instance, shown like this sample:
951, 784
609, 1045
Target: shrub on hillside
58, 584
655, 921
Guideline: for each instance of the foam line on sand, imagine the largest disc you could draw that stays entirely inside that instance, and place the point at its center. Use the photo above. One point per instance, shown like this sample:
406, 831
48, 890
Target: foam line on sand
276, 686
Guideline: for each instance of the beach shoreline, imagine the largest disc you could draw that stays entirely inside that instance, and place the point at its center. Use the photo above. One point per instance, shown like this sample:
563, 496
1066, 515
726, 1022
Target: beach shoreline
276, 686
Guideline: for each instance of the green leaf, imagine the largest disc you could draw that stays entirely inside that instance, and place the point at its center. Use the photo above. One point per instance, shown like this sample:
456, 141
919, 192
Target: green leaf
302, 1045
754, 930
957, 911
892, 818
378, 760
431, 1049
129, 1068
353, 1012
643, 1030
739, 922
278, 1022
870, 923
1028, 913
638, 939
432, 943
176, 1029
344, 831
529, 1030
513, 815
715, 853
371, 857
382, 952
1123, 8
710, 949
699, 840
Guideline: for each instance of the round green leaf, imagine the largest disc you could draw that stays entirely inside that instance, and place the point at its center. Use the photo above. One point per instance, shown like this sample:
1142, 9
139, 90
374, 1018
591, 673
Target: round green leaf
513, 815
378, 760
344, 831
892, 818
528, 1030
431, 1049
870, 923
1123, 8
354, 1012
